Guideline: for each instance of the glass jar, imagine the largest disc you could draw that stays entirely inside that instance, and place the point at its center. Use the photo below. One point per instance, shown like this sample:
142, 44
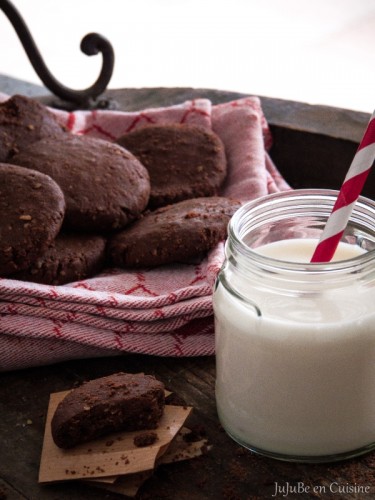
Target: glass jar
295, 341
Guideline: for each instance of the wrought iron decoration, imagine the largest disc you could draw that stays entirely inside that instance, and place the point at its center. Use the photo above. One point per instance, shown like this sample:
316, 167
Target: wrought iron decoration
91, 44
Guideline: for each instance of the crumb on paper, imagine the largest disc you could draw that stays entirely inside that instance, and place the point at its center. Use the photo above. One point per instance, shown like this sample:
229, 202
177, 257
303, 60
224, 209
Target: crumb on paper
145, 439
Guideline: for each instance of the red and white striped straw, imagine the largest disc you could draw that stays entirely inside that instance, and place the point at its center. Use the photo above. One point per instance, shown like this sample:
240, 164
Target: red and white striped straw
348, 195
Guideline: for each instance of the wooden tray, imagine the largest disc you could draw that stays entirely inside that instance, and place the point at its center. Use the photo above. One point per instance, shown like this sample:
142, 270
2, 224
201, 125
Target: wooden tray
313, 147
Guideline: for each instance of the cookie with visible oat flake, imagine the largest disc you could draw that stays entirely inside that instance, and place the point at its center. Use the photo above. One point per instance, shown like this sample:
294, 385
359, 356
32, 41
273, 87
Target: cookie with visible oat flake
23, 121
118, 402
105, 186
70, 257
32, 208
177, 233
183, 161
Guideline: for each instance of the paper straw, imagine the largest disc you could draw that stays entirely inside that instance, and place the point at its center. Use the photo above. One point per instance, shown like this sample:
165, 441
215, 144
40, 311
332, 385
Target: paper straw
348, 195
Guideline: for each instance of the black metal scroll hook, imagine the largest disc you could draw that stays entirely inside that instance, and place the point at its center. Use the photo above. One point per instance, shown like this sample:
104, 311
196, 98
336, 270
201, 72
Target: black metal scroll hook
91, 44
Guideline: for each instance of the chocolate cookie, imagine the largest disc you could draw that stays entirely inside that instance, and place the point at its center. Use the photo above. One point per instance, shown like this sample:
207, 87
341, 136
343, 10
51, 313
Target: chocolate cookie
183, 161
71, 257
119, 402
105, 187
23, 121
31, 213
175, 233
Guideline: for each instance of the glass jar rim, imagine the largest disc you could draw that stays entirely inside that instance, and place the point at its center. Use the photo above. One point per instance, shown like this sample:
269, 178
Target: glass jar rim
310, 196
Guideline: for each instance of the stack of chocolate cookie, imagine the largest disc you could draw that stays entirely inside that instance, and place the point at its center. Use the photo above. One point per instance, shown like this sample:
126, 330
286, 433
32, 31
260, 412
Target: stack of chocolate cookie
187, 167
71, 204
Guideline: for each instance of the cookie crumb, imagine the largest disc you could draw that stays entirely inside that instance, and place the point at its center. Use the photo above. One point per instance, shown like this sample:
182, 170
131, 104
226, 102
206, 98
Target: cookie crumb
145, 439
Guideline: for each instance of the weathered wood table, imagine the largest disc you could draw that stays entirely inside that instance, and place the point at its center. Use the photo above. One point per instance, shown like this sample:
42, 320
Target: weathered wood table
313, 147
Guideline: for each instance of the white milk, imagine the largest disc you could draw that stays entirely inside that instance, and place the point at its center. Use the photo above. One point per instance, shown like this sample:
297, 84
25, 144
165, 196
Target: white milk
298, 380
301, 250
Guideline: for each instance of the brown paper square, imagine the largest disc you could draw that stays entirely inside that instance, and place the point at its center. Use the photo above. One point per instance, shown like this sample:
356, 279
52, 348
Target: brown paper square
178, 450
113, 455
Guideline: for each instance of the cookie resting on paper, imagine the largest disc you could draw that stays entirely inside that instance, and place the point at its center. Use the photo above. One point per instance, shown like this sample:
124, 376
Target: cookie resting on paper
31, 213
22, 122
183, 161
119, 402
71, 257
105, 186
177, 233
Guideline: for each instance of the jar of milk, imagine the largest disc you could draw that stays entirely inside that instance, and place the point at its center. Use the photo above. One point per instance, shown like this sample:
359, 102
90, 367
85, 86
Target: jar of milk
295, 342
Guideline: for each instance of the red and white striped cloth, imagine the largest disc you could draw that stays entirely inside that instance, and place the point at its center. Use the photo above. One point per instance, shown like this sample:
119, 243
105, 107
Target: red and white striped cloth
165, 311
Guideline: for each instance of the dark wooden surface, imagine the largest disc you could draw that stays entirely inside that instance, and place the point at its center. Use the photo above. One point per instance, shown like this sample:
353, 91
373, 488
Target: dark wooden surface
313, 147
